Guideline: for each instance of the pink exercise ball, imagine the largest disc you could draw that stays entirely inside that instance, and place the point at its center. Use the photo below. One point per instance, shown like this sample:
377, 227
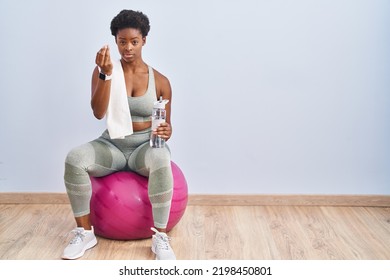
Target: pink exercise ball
120, 206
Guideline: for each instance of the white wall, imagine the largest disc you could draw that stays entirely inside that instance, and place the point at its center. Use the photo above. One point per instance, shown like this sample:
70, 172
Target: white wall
288, 96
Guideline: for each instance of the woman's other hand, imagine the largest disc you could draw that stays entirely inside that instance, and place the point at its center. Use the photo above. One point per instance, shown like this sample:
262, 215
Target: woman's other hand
164, 130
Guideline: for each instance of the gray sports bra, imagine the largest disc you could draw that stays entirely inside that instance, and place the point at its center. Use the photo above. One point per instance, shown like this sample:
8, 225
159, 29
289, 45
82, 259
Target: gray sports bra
141, 107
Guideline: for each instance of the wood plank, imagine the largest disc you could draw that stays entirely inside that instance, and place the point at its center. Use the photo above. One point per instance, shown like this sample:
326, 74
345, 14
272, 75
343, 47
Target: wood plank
33, 198
291, 200
226, 200
40, 231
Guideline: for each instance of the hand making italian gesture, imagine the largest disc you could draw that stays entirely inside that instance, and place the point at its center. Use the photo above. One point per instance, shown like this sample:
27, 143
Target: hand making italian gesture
103, 60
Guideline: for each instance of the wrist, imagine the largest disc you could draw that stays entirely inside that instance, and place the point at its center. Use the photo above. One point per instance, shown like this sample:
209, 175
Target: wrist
105, 71
104, 75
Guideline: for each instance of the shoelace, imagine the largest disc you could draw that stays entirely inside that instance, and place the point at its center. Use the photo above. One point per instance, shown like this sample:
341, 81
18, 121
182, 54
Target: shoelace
162, 240
79, 236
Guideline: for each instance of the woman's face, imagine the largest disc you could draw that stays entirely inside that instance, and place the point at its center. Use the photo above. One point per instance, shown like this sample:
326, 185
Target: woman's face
130, 43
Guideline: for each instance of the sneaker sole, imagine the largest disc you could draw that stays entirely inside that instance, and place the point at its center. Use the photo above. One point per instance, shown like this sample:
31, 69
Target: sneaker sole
91, 244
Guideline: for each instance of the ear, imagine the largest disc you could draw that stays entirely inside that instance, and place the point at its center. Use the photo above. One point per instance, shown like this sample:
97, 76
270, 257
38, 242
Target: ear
143, 41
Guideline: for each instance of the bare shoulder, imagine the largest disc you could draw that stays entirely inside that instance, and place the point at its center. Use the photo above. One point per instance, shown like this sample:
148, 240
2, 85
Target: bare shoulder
160, 78
163, 85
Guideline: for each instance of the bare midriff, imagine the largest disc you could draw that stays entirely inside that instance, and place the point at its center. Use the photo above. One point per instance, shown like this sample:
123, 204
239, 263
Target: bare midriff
138, 126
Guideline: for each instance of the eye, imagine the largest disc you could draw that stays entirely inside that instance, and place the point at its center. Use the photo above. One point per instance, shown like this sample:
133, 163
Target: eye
135, 42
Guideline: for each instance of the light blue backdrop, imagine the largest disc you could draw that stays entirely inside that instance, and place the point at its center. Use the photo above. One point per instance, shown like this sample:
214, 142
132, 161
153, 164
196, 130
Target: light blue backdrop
289, 97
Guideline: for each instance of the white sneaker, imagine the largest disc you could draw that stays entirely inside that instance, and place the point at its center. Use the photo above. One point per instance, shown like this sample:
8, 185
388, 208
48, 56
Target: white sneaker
82, 241
161, 247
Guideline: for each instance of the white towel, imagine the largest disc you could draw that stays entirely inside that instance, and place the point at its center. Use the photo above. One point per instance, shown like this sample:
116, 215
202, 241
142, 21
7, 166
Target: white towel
118, 116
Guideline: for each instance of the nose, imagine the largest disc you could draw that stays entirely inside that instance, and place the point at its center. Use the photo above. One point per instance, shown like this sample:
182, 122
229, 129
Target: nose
129, 47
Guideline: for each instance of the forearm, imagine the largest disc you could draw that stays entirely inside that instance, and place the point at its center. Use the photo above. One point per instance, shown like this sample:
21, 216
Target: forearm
100, 98
101, 88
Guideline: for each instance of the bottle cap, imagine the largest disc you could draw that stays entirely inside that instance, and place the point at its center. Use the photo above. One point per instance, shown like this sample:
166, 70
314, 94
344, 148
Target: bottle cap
161, 103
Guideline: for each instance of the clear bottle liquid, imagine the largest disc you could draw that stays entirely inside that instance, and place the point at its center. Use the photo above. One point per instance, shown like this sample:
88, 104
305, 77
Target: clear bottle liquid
159, 115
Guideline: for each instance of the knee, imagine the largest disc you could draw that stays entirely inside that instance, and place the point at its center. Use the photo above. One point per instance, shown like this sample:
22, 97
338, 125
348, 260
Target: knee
158, 158
76, 171
73, 157
73, 166
79, 156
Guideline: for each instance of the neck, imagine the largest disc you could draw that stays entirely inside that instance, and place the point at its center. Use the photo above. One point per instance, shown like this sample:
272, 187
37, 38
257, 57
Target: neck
133, 66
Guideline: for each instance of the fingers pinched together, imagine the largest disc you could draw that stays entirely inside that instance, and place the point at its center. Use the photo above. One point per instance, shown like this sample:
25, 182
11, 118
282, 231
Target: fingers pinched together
103, 60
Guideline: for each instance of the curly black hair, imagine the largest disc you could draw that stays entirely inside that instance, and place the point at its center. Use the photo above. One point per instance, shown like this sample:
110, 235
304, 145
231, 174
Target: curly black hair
130, 19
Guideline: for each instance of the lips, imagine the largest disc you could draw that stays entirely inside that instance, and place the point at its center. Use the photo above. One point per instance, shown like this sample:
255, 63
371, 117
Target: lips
128, 55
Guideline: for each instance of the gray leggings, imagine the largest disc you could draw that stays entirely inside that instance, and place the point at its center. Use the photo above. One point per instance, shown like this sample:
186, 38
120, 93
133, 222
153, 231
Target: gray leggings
104, 156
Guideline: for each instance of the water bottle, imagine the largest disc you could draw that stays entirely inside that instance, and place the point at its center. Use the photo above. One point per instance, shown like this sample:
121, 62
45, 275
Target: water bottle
158, 116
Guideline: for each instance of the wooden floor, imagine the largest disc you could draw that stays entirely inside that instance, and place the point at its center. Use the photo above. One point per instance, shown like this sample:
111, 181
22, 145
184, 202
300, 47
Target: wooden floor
40, 231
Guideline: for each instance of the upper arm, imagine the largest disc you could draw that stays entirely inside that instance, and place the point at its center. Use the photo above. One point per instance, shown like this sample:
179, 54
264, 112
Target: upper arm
164, 90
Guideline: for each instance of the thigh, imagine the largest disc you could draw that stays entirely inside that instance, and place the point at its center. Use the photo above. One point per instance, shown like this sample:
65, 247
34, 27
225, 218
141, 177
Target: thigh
145, 158
108, 159
97, 158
